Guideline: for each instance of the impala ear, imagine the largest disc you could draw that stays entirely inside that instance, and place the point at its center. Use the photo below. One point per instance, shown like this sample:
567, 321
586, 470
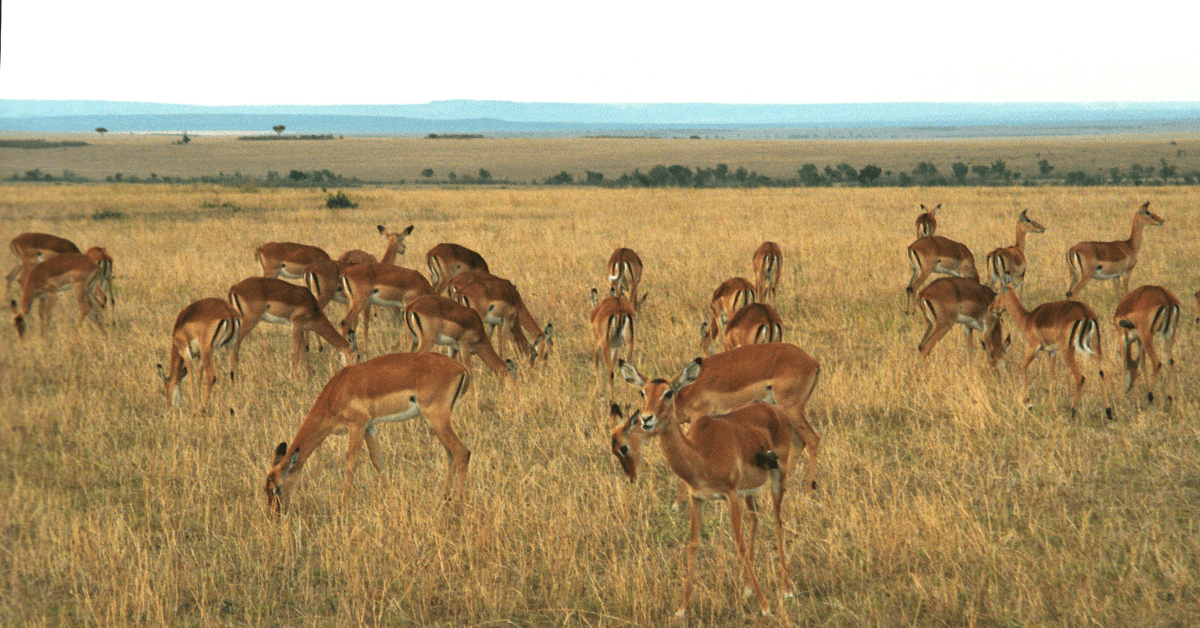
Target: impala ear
689, 374
280, 452
407, 231
631, 374
381, 229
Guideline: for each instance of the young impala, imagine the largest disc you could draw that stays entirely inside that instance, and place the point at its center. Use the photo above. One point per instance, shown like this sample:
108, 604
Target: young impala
768, 265
360, 397
200, 329
258, 299
447, 260
1147, 319
951, 300
726, 457
624, 275
33, 248
1069, 328
612, 331
1007, 265
727, 299
64, 271
1109, 260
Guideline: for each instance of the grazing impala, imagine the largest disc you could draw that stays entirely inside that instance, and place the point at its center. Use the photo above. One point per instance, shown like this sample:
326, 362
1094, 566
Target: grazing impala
624, 275
288, 259
927, 221
385, 285
499, 304
105, 261
951, 300
724, 457
1007, 265
200, 329
33, 248
1109, 260
768, 265
434, 320
447, 260
754, 323
360, 397
612, 330
777, 371
1069, 328
727, 299
935, 254
58, 273
258, 299
1147, 319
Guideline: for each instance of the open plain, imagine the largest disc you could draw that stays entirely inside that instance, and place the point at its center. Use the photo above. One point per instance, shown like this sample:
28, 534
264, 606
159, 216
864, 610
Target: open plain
941, 501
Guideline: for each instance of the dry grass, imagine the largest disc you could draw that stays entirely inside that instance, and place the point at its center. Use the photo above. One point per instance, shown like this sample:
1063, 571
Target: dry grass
941, 501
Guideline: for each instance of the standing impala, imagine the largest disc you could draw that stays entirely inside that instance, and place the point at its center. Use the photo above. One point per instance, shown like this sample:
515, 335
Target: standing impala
200, 329
258, 299
1069, 328
612, 330
447, 260
1007, 265
289, 260
385, 285
768, 265
33, 248
390, 388
754, 323
1109, 260
724, 457
775, 371
64, 271
434, 320
727, 299
1147, 319
951, 300
927, 221
395, 243
935, 254
499, 304
624, 275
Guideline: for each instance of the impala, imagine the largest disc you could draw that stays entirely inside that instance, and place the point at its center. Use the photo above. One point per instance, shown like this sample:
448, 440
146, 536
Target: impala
385, 285
356, 256
1147, 319
935, 254
395, 243
63, 271
728, 456
768, 264
754, 323
951, 300
1007, 265
777, 371
447, 260
288, 259
33, 248
612, 330
105, 261
200, 329
258, 299
499, 304
390, 388
434, 320
1109, 260
1066, 327
727, 299
927, 221
624, 275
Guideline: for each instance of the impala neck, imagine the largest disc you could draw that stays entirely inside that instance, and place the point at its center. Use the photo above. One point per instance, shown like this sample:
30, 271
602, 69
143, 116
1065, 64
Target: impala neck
1016, 309
1135, 235
680, 452
1021, 237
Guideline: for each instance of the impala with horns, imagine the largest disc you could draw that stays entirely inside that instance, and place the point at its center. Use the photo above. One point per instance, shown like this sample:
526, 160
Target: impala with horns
1147, 319
499, 304
434, 320
64, 271
726, 457
1007, 265
625, 274
1068, 328
729, 297
951, 300
1109, 260
779, 372
200, 330
754, 323
360, 397
258, 299
935, 254
385, 285
33, 248
289, 260
447, 260
927, 221
768, 265
612, 324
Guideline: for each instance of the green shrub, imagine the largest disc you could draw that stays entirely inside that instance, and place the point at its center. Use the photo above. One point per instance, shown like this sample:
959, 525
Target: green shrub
339, 201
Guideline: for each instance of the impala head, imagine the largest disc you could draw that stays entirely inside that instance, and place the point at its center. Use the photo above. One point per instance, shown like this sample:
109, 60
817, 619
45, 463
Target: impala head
543, 344
1145, 215
18, 319
658, 395
627, 437
396, 237
277, 478
1003, 301
995, 343
1031, 225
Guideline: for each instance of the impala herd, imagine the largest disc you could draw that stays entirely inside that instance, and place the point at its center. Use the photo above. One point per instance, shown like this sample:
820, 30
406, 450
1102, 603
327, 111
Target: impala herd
744, 407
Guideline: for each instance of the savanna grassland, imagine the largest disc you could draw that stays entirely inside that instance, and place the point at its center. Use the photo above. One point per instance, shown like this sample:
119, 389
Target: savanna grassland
941, 501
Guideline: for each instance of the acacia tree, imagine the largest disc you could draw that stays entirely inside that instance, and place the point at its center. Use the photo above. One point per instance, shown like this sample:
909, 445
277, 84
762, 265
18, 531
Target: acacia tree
278, 128
101, 130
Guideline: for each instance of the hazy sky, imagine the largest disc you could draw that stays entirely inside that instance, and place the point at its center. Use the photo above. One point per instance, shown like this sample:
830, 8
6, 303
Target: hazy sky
386, 52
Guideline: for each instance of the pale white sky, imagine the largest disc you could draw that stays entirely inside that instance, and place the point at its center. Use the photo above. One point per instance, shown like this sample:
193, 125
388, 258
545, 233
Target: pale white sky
223, 52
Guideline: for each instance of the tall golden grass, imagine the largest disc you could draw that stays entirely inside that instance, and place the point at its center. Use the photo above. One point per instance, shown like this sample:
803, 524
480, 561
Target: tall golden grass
941, 501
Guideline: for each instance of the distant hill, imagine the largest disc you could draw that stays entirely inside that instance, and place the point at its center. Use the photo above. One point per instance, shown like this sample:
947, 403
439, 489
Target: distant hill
504, 118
